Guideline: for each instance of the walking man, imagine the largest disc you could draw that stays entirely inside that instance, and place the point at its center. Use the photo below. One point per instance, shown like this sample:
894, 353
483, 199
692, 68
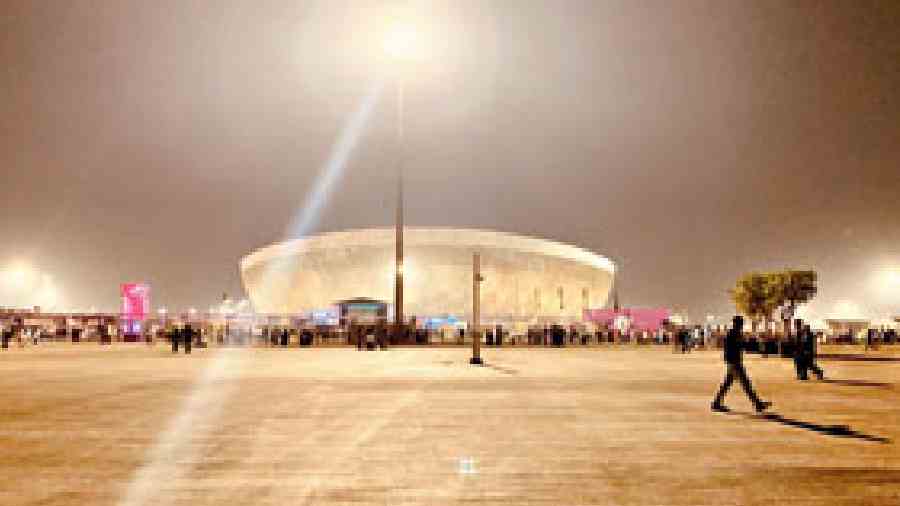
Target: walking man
805, 356
734, 361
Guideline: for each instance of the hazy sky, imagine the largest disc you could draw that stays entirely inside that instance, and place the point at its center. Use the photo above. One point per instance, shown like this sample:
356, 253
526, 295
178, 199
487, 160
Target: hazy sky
688, 140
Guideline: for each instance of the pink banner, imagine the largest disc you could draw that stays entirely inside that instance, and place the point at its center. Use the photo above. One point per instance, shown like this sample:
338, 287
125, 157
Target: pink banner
135, 300
640, 318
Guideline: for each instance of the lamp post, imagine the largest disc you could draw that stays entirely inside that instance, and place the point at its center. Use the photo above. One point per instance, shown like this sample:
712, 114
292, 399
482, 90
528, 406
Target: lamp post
476, 309
399, 320
399, 46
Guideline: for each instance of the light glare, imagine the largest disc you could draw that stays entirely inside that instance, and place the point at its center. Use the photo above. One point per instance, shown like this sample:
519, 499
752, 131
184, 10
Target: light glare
402, 42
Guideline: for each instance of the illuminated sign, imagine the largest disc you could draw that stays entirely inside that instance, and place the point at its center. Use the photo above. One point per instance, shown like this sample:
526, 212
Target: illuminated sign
135, 300
637, 318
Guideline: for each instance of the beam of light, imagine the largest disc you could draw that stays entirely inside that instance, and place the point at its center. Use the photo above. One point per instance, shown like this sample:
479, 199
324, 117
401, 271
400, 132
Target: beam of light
333, 168
175, 448
308, 216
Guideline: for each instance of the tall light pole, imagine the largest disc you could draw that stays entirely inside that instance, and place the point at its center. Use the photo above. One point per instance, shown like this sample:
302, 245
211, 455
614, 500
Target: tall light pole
398, 232
399, 46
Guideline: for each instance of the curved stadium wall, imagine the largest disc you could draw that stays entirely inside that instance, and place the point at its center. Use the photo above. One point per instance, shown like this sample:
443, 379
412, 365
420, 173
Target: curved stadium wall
526, 278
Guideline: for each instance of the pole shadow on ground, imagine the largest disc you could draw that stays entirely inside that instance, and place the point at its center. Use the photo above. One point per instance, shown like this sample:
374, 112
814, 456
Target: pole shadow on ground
504, 370
843, 431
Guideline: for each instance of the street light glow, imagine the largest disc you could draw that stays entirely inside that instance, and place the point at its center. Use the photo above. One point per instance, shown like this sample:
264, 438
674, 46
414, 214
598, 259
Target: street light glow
892, 278
402, 42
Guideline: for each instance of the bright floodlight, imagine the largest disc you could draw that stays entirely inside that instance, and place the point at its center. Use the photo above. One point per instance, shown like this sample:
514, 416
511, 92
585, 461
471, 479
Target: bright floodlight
892, 278
401, 42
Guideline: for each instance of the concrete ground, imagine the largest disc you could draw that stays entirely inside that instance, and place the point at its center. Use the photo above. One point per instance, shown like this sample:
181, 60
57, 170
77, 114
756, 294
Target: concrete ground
128, 424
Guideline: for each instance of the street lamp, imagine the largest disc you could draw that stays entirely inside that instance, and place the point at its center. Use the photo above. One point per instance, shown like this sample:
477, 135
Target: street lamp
400, 46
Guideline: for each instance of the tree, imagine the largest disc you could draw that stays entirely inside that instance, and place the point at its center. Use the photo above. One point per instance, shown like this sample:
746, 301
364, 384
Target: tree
793, 287
752, 296
796, 287
758, 295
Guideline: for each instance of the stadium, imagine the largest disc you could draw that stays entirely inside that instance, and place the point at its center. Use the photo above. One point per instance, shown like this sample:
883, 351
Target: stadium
527, 279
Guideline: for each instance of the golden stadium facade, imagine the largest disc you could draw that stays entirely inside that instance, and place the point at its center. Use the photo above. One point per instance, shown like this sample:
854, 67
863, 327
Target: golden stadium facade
526, 278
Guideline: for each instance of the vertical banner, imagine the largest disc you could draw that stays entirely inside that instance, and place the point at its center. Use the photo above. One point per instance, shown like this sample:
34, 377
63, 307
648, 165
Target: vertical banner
135, 305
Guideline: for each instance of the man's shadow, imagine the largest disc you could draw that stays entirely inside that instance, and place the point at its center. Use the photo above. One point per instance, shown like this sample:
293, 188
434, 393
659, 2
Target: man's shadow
829, 430
855, 357
857, 383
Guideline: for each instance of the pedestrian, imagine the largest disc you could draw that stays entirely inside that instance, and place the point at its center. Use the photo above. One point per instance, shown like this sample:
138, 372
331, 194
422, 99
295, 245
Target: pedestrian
188, 339
175, 337
734, 359
370, 339
805, 358
285, 336
684, 337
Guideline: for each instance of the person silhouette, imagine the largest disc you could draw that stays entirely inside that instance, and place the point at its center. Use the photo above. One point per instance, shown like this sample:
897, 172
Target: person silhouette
175, 336
734, 361
188, 335
805, 356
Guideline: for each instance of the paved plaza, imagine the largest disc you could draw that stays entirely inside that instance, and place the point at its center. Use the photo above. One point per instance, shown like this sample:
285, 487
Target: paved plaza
131, 424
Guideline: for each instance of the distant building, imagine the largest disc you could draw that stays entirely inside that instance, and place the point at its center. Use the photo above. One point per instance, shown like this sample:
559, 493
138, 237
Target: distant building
527, 279
851, 328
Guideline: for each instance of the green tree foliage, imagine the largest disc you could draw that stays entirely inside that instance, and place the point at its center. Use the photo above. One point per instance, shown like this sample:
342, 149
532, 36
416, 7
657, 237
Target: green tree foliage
795, 287
751, 295
758, 295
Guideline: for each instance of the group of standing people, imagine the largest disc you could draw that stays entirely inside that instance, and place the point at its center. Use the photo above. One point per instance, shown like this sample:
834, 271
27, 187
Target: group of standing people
804, 361
182, 335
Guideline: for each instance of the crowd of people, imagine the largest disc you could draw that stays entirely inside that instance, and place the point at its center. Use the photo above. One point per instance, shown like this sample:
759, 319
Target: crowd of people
682, 338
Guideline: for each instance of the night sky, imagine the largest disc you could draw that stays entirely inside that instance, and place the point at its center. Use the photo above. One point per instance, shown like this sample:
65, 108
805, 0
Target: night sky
690, 141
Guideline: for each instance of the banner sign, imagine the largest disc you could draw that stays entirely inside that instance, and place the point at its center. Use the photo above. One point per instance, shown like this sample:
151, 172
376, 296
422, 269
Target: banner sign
638, 318
135, 300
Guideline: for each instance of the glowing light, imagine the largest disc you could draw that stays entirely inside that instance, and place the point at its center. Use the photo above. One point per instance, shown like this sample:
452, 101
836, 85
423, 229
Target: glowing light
17, 274
402, 41
890, 278
162, 311
468, 465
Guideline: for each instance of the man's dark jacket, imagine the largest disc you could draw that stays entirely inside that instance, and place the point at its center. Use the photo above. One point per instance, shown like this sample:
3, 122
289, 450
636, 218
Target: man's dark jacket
733, 344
